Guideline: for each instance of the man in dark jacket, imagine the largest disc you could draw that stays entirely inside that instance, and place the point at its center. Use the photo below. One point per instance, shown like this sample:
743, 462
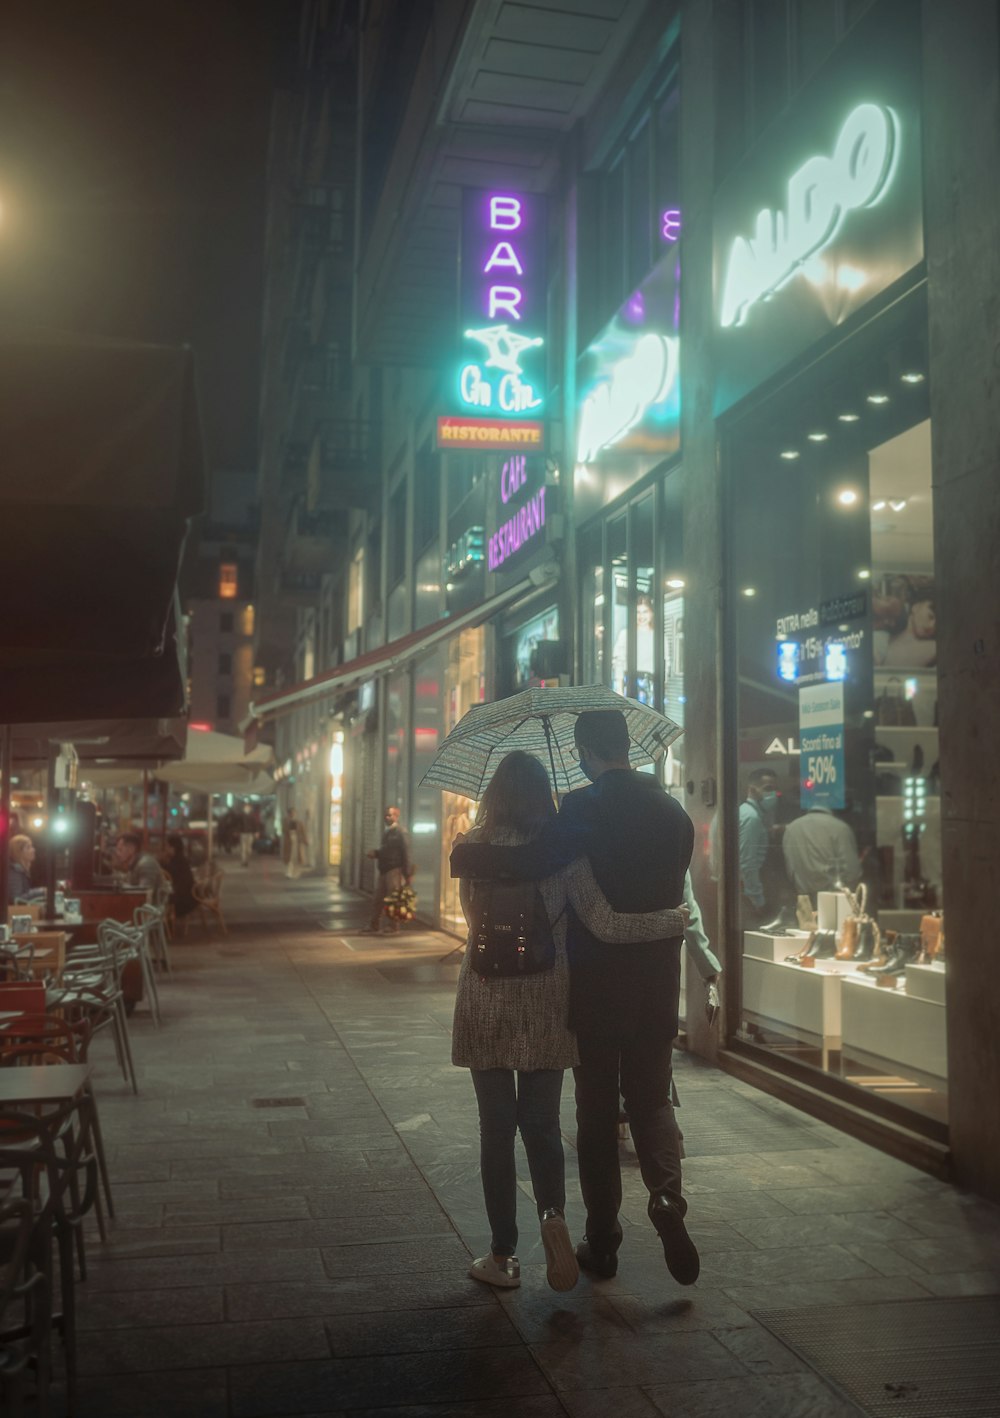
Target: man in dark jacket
623, 999
395, 865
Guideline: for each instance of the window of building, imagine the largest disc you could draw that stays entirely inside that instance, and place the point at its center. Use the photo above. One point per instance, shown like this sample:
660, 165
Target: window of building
641, 225
229, 581
222, 706
396, 550
426, 498
225, 664
355, 592
259, 676
226, 622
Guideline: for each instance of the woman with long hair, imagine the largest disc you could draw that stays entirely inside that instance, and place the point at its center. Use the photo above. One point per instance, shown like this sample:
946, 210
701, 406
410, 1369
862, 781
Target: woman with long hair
513, 1031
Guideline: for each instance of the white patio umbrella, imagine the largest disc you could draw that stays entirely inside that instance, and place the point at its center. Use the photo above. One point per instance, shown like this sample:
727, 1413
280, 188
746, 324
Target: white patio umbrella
219, 763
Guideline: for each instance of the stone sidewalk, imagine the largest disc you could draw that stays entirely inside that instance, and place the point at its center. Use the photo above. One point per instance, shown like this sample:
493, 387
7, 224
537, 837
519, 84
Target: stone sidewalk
298, 1200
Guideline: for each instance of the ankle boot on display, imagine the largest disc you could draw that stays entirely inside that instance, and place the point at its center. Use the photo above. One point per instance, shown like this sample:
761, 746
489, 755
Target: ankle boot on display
865, 948
847, 942
884, 947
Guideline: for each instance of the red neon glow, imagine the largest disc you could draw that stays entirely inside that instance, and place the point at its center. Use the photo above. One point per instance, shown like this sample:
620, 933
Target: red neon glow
201, 728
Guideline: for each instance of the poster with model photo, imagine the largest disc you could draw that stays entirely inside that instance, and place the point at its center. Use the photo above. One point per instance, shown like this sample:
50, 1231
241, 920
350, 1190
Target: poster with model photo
904, 620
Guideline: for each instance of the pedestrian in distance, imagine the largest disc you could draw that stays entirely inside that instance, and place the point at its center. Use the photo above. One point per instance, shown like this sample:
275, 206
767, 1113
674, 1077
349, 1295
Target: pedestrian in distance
248, 832
293, 845
395, 866
623, 1004
513, 1030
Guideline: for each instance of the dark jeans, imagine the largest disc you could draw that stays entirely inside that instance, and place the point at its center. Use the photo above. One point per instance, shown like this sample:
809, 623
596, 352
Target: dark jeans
509, 1102
640, 1069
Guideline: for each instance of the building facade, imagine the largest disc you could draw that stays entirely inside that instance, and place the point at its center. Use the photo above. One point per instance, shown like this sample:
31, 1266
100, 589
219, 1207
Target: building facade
738, 464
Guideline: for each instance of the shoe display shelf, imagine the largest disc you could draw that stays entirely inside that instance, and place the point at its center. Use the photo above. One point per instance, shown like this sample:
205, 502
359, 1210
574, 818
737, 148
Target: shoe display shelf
926, 982
891, 1029
765, 946
803, 1004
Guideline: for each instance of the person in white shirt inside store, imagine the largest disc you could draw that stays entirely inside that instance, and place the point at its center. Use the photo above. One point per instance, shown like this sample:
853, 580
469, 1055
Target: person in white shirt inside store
820, 853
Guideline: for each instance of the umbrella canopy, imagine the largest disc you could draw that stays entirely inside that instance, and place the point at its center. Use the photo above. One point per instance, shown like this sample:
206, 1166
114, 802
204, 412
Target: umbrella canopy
540, 722
219, 763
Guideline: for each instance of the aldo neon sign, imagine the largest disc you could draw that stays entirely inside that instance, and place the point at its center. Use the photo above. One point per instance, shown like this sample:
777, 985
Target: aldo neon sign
821, 195
502, 370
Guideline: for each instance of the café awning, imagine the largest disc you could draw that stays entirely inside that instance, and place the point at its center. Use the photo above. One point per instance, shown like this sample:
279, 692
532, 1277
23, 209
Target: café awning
397, 652
101, 470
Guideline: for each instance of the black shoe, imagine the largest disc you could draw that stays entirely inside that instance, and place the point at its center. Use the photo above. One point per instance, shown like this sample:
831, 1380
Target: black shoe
602, 1264
785, 921
679, 1251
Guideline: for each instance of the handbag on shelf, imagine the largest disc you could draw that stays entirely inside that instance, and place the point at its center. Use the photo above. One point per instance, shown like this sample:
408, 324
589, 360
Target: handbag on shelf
892, 709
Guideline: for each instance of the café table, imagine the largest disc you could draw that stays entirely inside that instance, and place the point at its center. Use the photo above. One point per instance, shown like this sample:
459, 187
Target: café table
42, 1085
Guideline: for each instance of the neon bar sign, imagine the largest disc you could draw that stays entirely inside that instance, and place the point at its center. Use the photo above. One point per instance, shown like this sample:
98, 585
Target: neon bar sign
523, 523
502, 305
820, 195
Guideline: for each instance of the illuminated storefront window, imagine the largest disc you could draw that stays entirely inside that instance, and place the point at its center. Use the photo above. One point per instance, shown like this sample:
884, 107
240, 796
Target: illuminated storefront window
839, 833
464, 686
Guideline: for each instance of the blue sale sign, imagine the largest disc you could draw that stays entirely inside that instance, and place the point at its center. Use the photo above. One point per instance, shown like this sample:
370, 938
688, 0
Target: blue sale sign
821, 737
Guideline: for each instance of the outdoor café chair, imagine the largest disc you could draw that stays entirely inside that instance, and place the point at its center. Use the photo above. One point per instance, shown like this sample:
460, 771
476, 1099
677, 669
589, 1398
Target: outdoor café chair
132, 943
25, 1302
63, 1186
91, 988
152, 921
44, 1038
208, 894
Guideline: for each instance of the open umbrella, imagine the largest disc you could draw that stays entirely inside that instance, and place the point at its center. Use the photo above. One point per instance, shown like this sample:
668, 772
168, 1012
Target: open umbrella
540, 722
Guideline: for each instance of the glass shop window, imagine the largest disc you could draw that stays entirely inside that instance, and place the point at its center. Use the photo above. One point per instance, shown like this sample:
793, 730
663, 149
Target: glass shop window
838, 823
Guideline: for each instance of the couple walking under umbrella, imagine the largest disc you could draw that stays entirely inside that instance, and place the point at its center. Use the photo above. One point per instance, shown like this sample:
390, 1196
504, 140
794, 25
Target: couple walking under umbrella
611, 869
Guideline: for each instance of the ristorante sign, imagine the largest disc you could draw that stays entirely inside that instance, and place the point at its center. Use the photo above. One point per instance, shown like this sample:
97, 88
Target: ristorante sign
497, 398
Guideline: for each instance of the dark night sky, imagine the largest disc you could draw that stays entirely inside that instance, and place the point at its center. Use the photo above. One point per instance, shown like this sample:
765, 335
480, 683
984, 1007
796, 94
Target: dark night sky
132, 149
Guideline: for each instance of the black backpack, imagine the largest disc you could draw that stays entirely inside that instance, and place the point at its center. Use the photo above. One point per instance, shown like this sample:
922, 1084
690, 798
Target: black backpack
511, 931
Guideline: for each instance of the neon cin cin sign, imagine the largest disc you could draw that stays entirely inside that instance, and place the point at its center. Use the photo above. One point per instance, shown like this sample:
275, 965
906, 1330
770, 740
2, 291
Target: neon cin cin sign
503, 304
820, 195
524, 522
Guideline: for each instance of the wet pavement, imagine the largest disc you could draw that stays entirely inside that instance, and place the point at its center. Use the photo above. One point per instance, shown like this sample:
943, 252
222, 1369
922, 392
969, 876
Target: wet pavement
298, 1201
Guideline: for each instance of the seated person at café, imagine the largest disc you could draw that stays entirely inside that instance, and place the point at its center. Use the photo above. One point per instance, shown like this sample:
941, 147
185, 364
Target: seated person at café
178, 868
21, 855
139, 868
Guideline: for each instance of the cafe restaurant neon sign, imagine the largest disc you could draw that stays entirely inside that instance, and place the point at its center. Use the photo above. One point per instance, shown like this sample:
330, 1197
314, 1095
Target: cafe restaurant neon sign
503, 301
821, 194
520, 523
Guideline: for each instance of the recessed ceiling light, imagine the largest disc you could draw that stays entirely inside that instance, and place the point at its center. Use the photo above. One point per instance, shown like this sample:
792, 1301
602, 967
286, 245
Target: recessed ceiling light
878, 398
864, 575
848, 417
879, 506
675, 583
847, 497
749, 591
790, 454
912, 376
818, 437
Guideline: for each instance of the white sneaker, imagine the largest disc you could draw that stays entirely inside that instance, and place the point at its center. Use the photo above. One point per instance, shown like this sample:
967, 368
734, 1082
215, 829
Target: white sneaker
561, 1266
505, 1273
